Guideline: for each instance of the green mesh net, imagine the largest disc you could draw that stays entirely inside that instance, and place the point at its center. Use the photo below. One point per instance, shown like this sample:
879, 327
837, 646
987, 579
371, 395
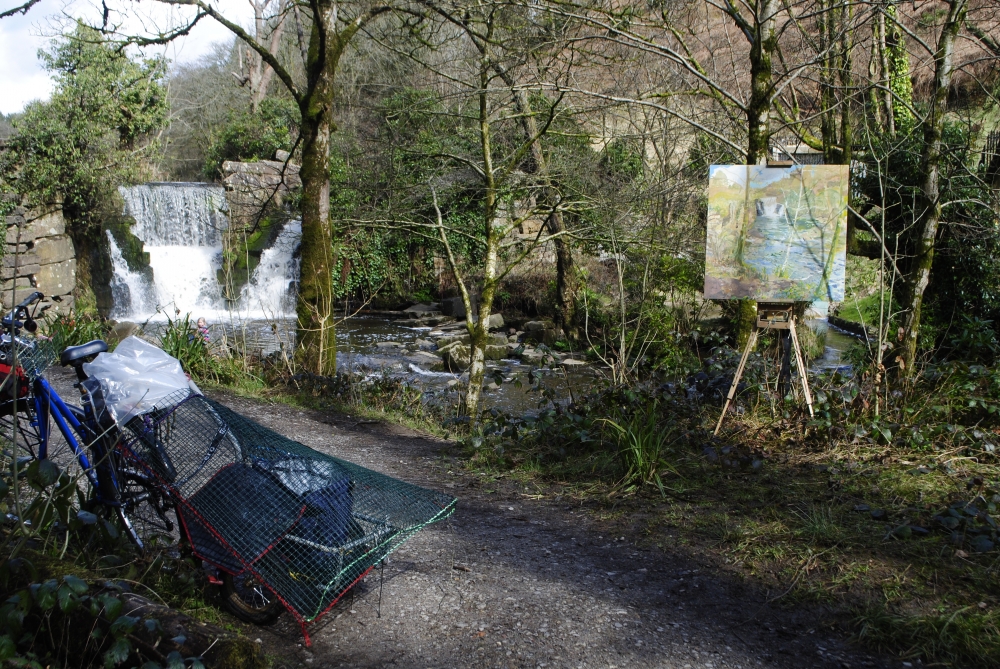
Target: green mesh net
305, 524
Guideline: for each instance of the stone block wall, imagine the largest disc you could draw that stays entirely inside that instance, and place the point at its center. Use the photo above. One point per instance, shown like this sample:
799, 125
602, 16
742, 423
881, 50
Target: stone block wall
39, 256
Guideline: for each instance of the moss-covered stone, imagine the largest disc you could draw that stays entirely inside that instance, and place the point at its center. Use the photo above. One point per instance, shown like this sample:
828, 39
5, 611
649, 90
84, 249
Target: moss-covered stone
241, 251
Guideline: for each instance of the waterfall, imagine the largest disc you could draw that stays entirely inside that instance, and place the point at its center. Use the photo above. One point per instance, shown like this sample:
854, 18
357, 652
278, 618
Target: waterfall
181, 226
271, 289
130, 291
177, 214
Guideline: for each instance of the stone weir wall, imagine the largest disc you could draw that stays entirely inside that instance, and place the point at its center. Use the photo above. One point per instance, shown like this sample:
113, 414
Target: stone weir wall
39, 256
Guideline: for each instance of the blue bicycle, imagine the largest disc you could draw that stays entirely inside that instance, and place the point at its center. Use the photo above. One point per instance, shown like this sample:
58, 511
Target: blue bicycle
29, 406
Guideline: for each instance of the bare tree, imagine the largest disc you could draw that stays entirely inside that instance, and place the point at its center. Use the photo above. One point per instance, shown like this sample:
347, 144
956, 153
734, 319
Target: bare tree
929, 207
504, 114
256, 74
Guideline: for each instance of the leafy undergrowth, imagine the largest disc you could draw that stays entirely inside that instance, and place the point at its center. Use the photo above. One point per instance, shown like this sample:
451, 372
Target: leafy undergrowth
888, 518
66, 574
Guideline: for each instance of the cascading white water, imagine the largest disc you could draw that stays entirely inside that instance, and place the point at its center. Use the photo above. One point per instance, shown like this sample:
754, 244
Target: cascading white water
178, 214
272, 287
130, 291
181, 226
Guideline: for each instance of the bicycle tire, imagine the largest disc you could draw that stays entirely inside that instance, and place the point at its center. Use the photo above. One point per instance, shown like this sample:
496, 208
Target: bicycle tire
249, 600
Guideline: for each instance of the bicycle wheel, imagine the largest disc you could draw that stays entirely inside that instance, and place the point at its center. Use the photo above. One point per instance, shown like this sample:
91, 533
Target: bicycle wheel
249, 600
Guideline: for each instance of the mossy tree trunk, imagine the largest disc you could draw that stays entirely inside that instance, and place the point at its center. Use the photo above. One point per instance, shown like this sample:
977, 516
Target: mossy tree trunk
332, 28
317, 345
928, 202
759, 30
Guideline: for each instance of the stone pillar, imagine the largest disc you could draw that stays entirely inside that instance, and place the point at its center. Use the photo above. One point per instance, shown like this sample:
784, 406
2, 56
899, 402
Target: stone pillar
39, 256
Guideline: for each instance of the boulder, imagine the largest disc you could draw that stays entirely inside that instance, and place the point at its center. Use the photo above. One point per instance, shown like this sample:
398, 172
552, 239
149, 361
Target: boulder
494, 322
124, 329
389, 345
455, 306
445, 347
538, 326
424, 357
421, 310
532, 356
495, 352
447, 341
456, 358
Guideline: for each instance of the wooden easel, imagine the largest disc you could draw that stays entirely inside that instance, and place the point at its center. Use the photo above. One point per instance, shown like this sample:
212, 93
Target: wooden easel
770, 316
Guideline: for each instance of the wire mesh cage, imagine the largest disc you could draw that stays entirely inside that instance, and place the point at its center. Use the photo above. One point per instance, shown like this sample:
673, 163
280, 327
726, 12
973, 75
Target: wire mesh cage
305, 524
33, 355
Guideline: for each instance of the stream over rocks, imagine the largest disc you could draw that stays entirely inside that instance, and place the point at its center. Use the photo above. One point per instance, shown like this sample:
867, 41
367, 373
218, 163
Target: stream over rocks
182, 225
430, 357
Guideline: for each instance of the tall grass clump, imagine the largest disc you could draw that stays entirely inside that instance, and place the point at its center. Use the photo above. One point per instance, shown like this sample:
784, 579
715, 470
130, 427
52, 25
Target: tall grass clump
180, 338
963, 637
642, 447
74, 329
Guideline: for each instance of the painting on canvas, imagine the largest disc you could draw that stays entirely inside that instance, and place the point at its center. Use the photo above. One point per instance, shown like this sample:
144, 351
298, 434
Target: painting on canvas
776, 233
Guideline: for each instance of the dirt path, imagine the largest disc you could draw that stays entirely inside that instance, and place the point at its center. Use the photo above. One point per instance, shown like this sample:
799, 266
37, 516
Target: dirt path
510, 581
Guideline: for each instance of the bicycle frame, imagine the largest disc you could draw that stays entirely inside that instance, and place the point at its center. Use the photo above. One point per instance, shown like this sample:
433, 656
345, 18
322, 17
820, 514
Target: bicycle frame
72, 422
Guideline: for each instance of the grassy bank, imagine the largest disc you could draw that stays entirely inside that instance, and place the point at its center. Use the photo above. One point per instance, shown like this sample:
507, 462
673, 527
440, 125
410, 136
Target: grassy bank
886, 517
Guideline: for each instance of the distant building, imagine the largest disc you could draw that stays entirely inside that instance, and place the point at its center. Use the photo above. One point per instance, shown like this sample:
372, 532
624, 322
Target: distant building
795, 152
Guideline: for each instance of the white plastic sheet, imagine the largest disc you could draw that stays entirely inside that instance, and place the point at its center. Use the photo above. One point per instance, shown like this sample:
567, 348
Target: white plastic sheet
136, 377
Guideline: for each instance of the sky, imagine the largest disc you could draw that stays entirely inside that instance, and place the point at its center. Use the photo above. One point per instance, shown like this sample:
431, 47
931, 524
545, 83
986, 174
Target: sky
22, 78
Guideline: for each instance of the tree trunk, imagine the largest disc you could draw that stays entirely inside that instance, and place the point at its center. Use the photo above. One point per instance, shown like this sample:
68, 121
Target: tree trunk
929, 203
762, 45
565, 268
477, 328
317, 350
317, 343
566, 281
762, 49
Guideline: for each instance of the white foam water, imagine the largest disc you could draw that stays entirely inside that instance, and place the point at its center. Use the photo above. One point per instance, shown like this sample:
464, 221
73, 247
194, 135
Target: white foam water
181, 226
272, 288
130, 291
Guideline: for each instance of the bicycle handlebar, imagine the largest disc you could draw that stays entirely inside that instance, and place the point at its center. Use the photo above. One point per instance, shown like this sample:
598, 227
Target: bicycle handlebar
29, 299
10, 321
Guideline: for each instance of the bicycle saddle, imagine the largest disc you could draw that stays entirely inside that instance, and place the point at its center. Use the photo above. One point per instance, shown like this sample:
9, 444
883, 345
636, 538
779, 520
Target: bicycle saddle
74, 353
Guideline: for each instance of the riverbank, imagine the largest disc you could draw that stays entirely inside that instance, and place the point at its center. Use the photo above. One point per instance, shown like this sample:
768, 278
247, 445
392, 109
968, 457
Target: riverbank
878, 512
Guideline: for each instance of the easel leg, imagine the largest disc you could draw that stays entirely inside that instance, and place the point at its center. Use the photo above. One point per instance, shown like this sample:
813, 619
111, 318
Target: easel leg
751, 342
802, 368
785, 372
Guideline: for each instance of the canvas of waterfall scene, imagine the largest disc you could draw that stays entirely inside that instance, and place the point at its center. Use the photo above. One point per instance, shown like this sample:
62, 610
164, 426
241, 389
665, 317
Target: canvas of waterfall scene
776, 233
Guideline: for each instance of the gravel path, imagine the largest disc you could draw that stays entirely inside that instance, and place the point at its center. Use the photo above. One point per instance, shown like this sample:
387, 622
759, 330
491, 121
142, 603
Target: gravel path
511, 581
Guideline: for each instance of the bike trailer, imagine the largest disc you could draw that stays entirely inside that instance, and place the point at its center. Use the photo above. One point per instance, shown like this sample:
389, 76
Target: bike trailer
251, 501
